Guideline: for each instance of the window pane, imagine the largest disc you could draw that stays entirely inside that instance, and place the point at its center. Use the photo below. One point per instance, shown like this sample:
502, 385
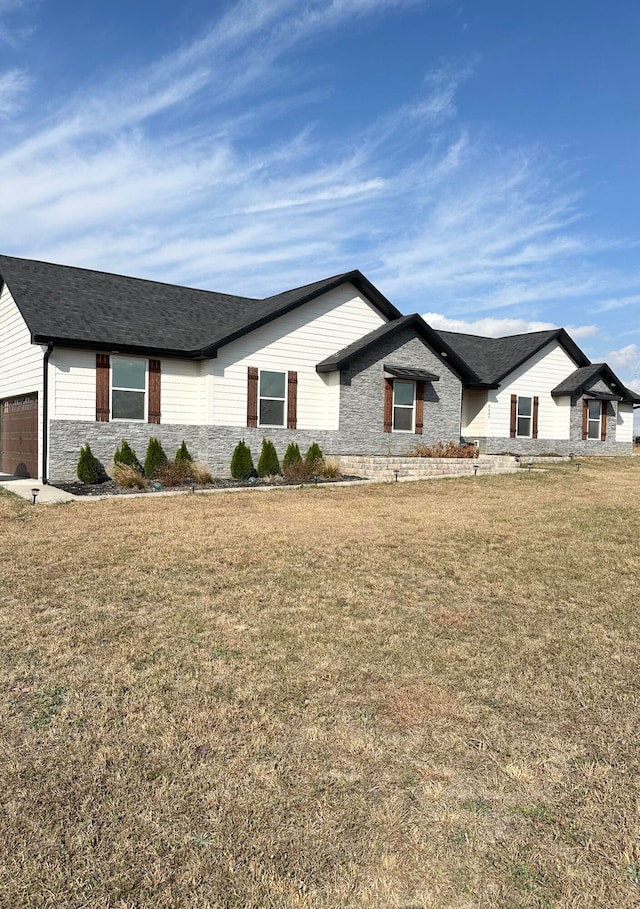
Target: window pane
524, 426
594, 410
403, 392
524, 407
272, 385
128, 373
593, 431
271, 413
403, 418
128, 405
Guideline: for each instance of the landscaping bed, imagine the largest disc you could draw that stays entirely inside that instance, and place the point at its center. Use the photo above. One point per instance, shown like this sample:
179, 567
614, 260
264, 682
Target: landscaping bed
110, 488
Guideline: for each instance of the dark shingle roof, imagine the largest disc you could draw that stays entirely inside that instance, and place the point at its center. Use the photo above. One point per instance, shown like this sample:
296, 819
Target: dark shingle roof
97, 309
408, 372
494, 358
578, 381
342, 358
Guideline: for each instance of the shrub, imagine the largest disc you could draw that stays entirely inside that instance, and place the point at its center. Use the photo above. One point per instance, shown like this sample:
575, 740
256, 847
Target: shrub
298, 471
174, 474
90, 470
268, 465
330, 468
126, 455
443, 450
314, 455
241, 462
200, 473
182, 454
128, 477
155, 458
292, 455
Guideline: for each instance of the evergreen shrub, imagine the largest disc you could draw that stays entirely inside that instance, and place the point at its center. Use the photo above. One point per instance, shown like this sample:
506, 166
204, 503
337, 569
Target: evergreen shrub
126, 455
291, 456
182, 454
268, 465
155, 458
314, 455
241, 462
90, 470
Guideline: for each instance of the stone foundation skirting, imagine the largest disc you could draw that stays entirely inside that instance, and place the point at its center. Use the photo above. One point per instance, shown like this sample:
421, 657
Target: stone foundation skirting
560, 447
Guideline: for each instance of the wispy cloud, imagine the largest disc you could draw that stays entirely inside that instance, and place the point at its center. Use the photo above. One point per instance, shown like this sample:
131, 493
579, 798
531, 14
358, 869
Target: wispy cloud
626, 359
492, 327
13, 85
617, 303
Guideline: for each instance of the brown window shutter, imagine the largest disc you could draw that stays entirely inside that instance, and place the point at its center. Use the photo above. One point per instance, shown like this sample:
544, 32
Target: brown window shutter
514, 416
103, 369
252, 396
419, 407
154, 391
603, 422
388, 405
292, 400
536, 404
585, 417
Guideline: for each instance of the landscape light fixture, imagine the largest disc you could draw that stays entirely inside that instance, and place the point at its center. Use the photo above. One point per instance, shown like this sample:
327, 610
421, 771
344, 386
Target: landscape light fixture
396, 473
34, 493
578, 465
475, 469
530, 466
315, 477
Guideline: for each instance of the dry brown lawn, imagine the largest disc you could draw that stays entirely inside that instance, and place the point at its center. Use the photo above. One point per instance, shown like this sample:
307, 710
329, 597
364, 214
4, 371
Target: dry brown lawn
406, 695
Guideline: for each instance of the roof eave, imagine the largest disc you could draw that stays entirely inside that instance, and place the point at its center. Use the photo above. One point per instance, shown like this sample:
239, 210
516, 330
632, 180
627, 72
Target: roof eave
113, 347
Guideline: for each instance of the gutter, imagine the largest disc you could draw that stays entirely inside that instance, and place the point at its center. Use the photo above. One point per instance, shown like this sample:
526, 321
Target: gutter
45, 411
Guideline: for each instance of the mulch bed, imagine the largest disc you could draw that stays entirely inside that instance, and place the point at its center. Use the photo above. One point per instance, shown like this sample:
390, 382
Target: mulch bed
109, 488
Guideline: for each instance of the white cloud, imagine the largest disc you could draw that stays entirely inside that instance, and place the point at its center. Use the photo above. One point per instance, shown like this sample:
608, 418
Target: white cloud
492, 327
617, 303
13, 85
626, 360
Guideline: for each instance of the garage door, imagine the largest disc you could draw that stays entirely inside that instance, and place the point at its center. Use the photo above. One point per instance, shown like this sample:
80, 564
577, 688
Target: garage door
19, 436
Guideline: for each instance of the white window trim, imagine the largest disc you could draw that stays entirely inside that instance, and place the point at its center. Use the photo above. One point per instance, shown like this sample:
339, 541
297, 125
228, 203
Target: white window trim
403, 407
598, 437
123, 388
524, 416
282, 425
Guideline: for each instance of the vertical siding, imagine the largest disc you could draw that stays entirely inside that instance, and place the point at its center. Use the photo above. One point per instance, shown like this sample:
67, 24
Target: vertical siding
538, 376
182, 392
20, 360
298, 341
624, 423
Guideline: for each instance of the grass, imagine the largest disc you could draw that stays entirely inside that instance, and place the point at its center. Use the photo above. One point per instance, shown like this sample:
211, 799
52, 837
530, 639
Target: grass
404, 695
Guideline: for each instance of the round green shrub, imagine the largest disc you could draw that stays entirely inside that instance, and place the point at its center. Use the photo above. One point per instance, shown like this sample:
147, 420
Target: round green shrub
241, 462
182, 454
268, 465
126, 455
155, 458
90, 470
291, 456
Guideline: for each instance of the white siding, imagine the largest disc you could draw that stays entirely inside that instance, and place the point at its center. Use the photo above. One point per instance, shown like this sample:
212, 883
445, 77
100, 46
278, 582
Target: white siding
475, 411
72, 382
73, 388
296, 341
20, 360
538, 376
624, 423
182, 392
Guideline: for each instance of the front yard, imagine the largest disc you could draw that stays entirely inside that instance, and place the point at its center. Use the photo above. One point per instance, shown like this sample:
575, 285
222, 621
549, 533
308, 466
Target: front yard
411, 695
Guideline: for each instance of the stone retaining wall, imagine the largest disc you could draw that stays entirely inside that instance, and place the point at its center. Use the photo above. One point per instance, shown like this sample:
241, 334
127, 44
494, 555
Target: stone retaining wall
383, 468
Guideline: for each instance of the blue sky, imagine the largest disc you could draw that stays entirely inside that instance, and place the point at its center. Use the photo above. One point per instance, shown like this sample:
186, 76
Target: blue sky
477, 161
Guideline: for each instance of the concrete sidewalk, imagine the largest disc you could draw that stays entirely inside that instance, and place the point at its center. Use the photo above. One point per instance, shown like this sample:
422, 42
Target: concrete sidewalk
46, 494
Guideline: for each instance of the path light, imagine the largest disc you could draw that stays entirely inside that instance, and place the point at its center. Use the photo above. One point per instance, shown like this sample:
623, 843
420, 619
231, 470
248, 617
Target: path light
34, 493
475, 469
315, 477
578, 465
193, 487
530, 466
396, 473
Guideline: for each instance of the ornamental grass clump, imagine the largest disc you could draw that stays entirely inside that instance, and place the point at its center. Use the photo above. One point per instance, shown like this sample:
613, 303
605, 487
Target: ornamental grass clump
330, 468
291, 456
268, 465
200, 473
127, 477
90, 470
443, 450
241, 462
126, 455
155, 458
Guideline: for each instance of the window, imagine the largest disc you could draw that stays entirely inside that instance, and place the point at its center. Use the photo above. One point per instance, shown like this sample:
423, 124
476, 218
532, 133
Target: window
128, 388
403, 405
272, 397
593, 419
524, 417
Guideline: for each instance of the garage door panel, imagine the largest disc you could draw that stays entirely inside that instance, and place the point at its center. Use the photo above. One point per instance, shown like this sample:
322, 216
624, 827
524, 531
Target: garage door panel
19, 435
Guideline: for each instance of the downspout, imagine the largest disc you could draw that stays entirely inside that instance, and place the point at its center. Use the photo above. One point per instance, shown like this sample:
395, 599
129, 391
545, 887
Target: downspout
45, 411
